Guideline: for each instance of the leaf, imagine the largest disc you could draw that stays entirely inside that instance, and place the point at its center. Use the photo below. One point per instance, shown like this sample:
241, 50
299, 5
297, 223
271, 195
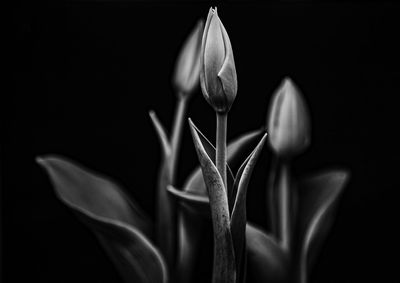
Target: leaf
193, 231
266, 261
235, 151
194, 203
118, 222
166, 214
239, 218
317, 200
224, 260
161, 134
210, 150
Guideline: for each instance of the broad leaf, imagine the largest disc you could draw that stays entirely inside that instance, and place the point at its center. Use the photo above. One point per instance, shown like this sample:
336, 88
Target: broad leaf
266, 261
239, 218
119, 224
224, 260
317, 200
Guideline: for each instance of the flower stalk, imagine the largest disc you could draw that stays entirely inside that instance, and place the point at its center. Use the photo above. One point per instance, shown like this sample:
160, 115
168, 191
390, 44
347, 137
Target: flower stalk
176, 135
284, 206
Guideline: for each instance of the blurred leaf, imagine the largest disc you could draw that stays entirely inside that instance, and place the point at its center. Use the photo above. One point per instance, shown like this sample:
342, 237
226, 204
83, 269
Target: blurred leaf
195, 203
317, 200
239, 218
166, 222
266, 261
118, 223
161, 134
224, 259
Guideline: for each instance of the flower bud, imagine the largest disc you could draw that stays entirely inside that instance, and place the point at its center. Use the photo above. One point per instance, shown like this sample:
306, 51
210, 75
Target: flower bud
187, 67
288, 121
218, 73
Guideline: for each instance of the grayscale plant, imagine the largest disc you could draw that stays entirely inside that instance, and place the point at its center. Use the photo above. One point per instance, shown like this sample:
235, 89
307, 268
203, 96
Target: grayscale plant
300, 211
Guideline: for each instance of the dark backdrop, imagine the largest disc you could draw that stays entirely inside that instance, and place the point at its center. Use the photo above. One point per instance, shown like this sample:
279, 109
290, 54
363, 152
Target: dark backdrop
85, 75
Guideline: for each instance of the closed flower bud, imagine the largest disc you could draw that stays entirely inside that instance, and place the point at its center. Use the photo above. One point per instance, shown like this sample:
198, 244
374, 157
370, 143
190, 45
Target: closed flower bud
288, 121
187, 67
218, 73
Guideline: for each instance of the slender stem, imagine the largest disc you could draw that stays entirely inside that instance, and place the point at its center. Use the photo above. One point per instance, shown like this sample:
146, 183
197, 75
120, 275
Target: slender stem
220, 156
177, 135
284, 206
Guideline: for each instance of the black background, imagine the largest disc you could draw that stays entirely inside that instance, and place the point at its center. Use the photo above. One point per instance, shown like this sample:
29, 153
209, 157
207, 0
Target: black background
85, 75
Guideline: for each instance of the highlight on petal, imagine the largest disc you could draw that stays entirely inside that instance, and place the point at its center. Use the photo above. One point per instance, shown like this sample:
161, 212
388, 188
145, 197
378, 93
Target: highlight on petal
317, 200
187, 69
288, 121
118, 223
218, 73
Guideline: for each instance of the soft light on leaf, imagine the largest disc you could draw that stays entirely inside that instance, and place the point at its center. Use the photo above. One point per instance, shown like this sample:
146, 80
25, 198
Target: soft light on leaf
239, 218
317, 199
224, 260
118, 223
266, 261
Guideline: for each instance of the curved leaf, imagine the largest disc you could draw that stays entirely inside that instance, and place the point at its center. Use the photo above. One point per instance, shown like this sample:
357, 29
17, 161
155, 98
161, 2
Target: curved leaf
239, 218
224, 270
166, 214
266, 261
196, 183
118, 223
162, 136
317, 199
195, 203
235, 150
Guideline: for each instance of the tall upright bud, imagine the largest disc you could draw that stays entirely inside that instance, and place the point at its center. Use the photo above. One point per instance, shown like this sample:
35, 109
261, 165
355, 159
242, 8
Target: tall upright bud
187, 68
288, 121
218, 73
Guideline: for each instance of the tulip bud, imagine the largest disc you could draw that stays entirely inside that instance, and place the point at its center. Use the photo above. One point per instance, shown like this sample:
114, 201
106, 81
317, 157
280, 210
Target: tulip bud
288, 121
187, 67
218, 73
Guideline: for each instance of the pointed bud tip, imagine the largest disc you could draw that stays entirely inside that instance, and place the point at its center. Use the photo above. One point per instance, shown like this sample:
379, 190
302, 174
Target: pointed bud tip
288, 120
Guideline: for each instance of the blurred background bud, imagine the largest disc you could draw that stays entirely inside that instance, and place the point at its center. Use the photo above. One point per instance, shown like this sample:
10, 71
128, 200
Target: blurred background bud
288, 121
187, 67
218, 73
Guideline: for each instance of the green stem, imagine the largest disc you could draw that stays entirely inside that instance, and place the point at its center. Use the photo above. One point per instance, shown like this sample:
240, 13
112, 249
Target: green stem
220, 157
177, 135
284, 206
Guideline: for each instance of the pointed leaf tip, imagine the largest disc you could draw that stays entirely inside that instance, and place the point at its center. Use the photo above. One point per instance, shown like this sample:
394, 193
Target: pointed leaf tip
161, 133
